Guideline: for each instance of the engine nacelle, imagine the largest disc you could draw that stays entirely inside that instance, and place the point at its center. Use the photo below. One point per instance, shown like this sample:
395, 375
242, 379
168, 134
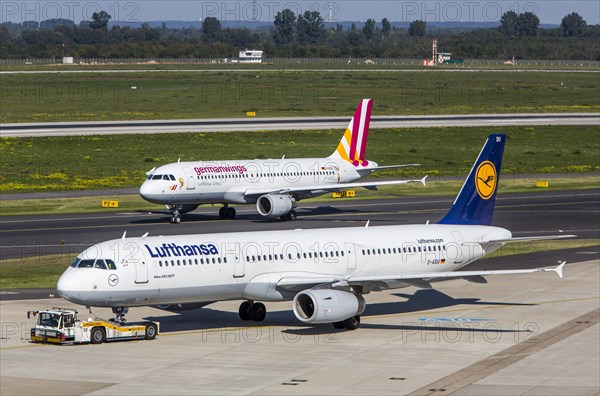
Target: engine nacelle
182, 208
327, 306
274, 205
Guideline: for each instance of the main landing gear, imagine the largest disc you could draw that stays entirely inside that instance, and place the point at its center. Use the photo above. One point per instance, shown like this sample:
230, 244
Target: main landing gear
350, 323
227, 212
249, 310
290, 216
120, 313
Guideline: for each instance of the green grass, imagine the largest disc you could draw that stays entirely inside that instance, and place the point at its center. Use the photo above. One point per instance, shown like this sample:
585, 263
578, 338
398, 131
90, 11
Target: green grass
118, 161
100, 162
44, 271
33, 272
275, 92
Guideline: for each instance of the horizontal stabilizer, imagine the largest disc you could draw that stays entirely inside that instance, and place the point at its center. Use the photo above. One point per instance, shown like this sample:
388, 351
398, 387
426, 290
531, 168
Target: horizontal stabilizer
396, 166
533, 238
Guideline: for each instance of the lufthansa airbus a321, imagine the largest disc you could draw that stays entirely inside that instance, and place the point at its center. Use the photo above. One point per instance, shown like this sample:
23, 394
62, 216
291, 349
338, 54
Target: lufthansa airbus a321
325, 272
274, 185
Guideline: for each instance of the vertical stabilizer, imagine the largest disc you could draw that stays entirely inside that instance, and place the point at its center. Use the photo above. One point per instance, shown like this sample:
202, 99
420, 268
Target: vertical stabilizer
475, 201
353, 145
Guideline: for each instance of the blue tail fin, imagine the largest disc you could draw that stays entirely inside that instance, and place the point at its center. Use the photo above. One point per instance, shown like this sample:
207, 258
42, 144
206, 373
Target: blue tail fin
475, 201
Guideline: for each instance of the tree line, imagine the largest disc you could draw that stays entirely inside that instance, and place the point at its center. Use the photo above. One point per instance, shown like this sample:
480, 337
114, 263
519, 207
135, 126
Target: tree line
300, 36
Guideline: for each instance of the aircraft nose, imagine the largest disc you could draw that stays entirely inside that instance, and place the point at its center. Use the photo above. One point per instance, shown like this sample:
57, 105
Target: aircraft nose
67, 286
146, 192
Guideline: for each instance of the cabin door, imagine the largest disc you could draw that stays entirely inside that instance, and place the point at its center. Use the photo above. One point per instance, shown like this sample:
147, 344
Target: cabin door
141, 271
455, 250
190, 179
350, 253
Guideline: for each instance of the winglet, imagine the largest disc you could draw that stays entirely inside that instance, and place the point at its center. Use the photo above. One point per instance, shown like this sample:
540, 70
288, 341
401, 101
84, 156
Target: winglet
367, 225
124, 233
423, 180
559, 269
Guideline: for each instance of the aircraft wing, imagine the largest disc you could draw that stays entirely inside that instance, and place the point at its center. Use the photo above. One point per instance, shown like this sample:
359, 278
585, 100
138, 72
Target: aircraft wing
328, 187
420, 279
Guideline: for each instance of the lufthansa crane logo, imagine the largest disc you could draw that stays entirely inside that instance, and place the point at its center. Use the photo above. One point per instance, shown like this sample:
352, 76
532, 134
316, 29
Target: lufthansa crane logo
113, 279
486, 179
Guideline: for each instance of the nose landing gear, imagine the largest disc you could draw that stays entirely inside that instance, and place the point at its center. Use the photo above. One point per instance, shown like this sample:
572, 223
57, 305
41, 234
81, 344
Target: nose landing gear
120, 313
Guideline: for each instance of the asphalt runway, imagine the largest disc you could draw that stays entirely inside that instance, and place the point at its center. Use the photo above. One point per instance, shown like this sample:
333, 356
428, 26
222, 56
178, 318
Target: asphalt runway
525, 214
288, 123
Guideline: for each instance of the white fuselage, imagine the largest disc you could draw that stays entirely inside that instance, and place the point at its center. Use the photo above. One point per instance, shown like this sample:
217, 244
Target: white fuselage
248, 265
242, 182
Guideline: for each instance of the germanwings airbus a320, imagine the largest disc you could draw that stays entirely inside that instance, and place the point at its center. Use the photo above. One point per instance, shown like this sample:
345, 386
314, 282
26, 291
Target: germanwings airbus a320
274, 185
325, 272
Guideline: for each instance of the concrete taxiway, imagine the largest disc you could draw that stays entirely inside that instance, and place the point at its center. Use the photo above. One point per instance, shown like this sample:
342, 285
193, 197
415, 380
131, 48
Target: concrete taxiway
529, 334
517, 335
525, 214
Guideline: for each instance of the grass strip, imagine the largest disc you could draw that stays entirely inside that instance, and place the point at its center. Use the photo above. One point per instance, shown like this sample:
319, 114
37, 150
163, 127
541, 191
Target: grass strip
103, 162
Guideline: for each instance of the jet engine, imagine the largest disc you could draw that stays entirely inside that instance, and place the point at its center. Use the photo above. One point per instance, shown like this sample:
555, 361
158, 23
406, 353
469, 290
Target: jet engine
327, 305
182, 208
274, 205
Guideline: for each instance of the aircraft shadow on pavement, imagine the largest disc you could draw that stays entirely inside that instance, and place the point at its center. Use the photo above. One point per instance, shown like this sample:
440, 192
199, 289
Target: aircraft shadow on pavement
207, 319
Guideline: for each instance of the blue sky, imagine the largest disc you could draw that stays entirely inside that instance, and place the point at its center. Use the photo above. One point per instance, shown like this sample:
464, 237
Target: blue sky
549, 11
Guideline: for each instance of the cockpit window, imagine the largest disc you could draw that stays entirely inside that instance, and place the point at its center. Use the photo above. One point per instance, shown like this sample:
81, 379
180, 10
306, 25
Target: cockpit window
86, 264
149, 177
171, 177
165, 177
100, 264
156, 177
97, 263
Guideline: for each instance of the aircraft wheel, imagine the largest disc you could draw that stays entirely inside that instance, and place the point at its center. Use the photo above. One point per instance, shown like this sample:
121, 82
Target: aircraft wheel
98, 335
258, 311
352, 323
339, 325
222, 214
291, 216
176, 219
283, 218
151, 331
244, 310
230, 213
